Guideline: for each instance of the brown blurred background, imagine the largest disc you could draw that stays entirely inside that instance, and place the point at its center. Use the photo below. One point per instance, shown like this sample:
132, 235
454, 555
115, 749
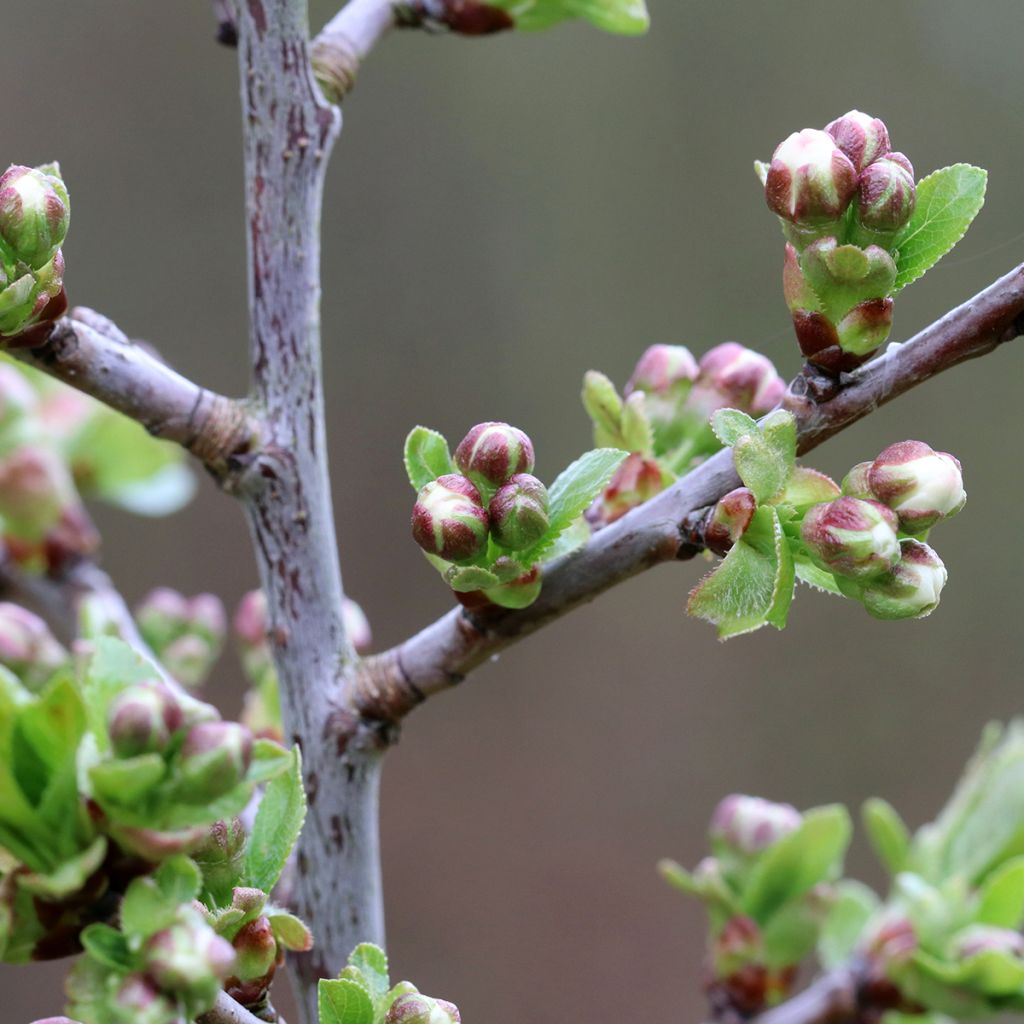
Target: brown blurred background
502, 215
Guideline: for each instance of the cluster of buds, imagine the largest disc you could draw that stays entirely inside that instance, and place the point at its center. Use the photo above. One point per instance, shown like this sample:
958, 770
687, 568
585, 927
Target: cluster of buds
490, 511
186, 634
34, 215
664, 420
843, 197
869, 537
28, 648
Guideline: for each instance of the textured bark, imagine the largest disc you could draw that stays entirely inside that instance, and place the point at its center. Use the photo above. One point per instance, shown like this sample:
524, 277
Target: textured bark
227, 1011
289, 131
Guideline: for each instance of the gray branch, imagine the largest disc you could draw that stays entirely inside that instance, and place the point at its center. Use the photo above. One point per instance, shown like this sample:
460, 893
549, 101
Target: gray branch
346, 40
227, 1011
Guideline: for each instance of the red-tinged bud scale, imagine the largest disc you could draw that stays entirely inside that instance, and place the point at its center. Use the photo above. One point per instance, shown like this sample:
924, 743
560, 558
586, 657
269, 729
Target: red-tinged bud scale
729, 520
852, 537
920, 485
357, 626
215, 758
886, 194
750, 824
861, 137
414, 1008
810, 180
449, 519
492, 453
255, 950
518, 512
142, 719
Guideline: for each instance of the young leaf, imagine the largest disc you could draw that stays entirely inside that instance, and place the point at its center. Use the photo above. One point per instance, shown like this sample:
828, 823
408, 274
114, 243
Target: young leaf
637, 433
426, 457
289, 930
798, 861
276, 829
604, 407
1001, 898
625, 17
466, 578
679, 878
343, 1001
730, 425
152, 902
372, 963
947, 201
889, 836
763, 465
807, 572
107, 946
850, 912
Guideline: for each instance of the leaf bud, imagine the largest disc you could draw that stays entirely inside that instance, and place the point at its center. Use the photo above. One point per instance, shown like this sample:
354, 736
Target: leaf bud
255, 950
34, 214
492, 453
919, 484
732, 376
518, 512
861, 137
886, 194
449, 519
852, 537
189, 958
811, 181
518, 593
865, 327
910, 590
638, 479
142, 719
221, 857
729, 520
414, 1008
215, 758
27, 647
749, 824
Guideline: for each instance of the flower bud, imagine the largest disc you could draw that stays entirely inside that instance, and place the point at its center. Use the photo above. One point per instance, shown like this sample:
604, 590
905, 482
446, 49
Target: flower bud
886, 194
638, 479
215, 758
188, 958
851, 537
910, 590
492, 453
250, 621
519, 512
34, 213
155, 846
920, 485
357, 626
749, 824
221, 857
810, 180
664, 370
856, 484
732, 376
865, 327
449, 519
861, 137
255, 950
138, 1001
892, 940
35, 489
55, 1020
729, 520
414, 1008
27, 647
142, 719
982, 938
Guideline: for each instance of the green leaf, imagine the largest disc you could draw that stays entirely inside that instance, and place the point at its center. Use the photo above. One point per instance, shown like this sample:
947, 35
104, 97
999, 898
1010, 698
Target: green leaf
765, 455
623, 17
1001, 897
637, 433
464, 579
125, 782
113, 667
276, 829
840, 934
730, 425
947, 201
70, 876
570, 539
343, 1001
107, 946
605, 409
797, 862
426, 457
807, 572
372, 963
807, 487
152, 903
889, 836
290, 931
269, 759
678, 877
790, 935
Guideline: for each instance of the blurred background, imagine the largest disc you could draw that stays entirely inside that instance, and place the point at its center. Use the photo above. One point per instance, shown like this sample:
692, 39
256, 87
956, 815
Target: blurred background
502, 215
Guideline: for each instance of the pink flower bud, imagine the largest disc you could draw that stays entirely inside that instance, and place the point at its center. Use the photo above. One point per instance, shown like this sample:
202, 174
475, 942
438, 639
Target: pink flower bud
886, 193
27, 647
215, 758
188, 958
142, 719
981, 938
810, 180
664, 370
892, 940
729, 520
518, 512
449, 519
749, 824
856, 485
414, 1008
357, 626
732, 376
250, 621
492, 453
910, 590
34, 214
920, 485
852, 537
861, 137
35, 489
638, 479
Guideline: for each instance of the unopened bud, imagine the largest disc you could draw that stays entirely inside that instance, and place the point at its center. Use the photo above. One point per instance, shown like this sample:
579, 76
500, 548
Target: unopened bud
919, 484
30, 297
856, 484
27, 647
255, 949
982, 938
215, 758
810, 180
186, 634
729, 520
35, 489
852, 537
910, 590
892, 940
664, 370
865, 327
492, 453
188, 958
138, 1001
518, 593
221, 857
34, 213
357, 626
861, 137
732, 376
749, 824
845, 275
638, 479
886, 194
250, 621
142, 719
519, 512
449, 519
414, 1008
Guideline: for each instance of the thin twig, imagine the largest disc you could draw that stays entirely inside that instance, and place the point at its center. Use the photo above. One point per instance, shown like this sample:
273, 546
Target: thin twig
346, 40
227, 1011
388, 686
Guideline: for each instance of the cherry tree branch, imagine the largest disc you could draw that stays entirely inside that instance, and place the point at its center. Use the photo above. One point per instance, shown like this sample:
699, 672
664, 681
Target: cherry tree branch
834, 998
346, 40
88, 352
227, 1011
386, 687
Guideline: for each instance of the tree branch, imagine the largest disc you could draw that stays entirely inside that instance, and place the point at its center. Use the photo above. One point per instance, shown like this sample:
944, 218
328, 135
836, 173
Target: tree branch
834, 998
88, 352
388, 686
346, 40
227, 1011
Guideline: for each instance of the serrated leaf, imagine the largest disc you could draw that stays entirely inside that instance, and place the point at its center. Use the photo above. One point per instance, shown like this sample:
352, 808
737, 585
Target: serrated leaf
426, 457
623, 17
797, 862
464, 579
372, 963
844, 925
269, 759
1001, 897
343, 1001
765, 459
153, 902
947, 201
889, 836
807, 487
277, 826
290, 931
637, 433
604, 407
729, 425
107, 946
807, 572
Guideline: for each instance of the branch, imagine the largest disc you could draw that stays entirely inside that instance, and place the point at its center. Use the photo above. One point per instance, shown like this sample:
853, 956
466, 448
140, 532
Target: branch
227, 23
388, 686
834, 998
345, 42
227, 1011
88, 352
